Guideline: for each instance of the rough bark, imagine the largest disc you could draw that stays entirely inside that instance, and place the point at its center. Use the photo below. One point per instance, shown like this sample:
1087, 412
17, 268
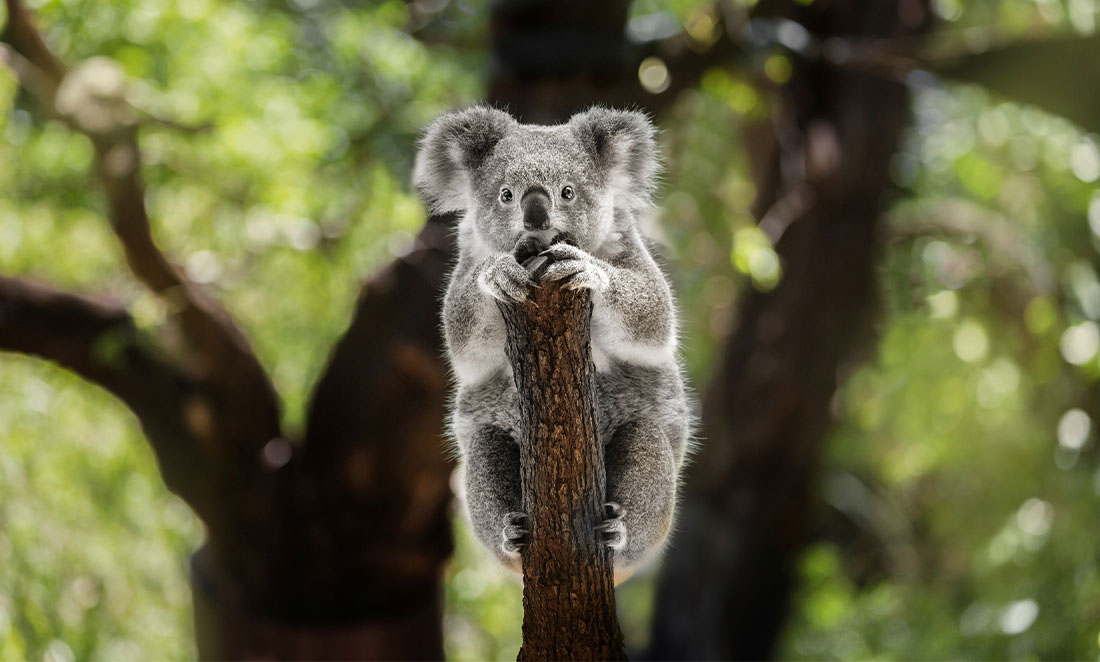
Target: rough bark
568, 586
727, 580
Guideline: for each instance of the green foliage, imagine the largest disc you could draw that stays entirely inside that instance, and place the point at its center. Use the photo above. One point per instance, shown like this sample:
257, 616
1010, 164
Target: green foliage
484, 600
961, 482
93, 552
963, 476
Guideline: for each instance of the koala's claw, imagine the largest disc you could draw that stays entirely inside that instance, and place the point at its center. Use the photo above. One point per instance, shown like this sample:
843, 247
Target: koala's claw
577, 275
504, 279
516, 533
562, 250
613, 529
580, 268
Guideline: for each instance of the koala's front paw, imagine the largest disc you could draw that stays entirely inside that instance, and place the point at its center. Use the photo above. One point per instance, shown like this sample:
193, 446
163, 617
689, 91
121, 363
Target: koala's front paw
580, 270
527, 248
516, 533
504, 279
613, 529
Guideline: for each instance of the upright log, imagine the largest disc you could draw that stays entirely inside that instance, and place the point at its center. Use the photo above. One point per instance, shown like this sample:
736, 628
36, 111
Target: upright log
568, 587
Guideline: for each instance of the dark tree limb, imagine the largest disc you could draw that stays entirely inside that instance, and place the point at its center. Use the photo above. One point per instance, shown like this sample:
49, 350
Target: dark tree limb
25, 38
568, 584
70, 330
98, 341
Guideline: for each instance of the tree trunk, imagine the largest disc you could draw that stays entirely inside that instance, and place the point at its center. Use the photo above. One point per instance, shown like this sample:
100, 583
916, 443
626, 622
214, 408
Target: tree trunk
568, 585
350, 536
727, 580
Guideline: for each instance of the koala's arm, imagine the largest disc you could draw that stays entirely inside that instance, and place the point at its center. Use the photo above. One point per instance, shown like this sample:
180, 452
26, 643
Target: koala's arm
633, 319
472, 322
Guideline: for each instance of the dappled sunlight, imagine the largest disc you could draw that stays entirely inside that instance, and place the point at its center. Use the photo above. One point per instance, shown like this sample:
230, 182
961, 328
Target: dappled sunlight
955, 499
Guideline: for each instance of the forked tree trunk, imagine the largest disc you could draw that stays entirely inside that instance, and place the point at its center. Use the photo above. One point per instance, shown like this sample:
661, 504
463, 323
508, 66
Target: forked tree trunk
568, 586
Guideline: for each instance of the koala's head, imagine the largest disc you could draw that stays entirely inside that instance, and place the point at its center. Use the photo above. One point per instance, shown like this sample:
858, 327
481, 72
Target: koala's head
514, 180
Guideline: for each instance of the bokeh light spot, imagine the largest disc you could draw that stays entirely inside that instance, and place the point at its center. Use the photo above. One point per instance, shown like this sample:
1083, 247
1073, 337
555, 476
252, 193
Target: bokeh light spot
702, 27
1034, 517
1086, 287
998, 383
1074, 428
1094, 214
203, 267
753, 255
1019, 616
1039, 315
277, 453
778, 68
59, 651
949, 10
1082, 15
971, 342
943, 305
1085, 161
653, 75
1080, 342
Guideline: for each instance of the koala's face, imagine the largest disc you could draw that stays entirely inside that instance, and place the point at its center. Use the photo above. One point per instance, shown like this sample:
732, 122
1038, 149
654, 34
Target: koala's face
515, 180
540, 181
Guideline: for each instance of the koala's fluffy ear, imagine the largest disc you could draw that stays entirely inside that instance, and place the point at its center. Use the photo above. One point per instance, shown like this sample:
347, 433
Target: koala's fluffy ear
453, 146
622, 141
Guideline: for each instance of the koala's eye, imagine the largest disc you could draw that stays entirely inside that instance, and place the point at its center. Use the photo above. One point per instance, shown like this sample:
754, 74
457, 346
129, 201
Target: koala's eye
505, 195
568, 193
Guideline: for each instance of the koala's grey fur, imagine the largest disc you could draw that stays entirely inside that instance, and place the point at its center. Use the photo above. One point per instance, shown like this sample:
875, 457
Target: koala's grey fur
609, 159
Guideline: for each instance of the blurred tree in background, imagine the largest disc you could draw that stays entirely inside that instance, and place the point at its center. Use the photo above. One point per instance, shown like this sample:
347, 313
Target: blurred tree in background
949, 511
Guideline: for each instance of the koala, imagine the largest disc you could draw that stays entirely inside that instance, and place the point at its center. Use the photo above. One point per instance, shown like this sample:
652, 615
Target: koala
575, 191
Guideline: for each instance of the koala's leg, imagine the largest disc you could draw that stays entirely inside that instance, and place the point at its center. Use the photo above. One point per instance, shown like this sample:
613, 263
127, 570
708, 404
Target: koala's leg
493, 493
641, 489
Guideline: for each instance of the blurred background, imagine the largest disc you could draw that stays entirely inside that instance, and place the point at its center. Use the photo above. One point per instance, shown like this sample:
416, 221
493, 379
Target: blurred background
882, 220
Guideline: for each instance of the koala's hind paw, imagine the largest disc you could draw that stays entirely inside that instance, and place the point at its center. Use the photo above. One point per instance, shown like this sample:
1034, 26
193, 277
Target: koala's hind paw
613, 529
516, 533
580, 268
505, 279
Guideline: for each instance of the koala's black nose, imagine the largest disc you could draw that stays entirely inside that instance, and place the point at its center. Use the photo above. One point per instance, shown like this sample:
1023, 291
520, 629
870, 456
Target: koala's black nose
536, 208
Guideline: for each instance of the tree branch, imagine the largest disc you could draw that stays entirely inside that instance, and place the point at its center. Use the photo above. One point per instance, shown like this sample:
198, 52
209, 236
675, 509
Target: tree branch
93, 338
568, 584
91, 99
97, 340
23, 36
